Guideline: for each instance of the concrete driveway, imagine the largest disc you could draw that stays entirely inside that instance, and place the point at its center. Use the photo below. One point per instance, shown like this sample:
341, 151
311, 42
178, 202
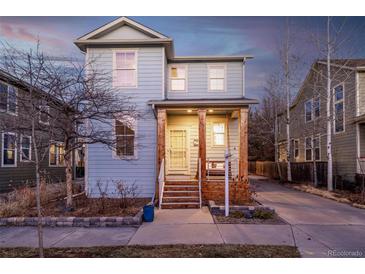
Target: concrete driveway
319, 225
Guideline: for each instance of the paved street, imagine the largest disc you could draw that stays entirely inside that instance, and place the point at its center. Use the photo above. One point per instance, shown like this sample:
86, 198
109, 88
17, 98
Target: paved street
315, 225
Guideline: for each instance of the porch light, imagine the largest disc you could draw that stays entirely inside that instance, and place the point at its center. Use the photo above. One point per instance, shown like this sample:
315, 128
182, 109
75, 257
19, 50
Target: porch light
189, 110
211, 110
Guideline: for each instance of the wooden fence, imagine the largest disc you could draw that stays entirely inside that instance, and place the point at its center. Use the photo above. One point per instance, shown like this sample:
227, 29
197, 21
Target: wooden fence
301, 172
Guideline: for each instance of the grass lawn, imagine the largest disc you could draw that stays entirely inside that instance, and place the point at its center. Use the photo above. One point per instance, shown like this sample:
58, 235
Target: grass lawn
162, 251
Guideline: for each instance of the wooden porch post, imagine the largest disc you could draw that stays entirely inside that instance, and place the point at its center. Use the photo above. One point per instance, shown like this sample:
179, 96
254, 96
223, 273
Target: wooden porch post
202, 142
161, 125
243, 146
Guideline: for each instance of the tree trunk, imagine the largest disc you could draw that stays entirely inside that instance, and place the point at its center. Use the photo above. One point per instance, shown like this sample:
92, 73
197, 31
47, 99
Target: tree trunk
287, 89
68, 162
328, 110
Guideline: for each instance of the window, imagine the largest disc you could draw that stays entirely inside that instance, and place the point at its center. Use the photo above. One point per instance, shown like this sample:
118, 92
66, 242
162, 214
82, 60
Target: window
216, 75
44, 114
8, 98
316, 107
125, 135
57, 154
178, 78
308, 110
125, 68
317, 148
9, 149
308, 148
295, 148
218, 134
25, 148
339, 109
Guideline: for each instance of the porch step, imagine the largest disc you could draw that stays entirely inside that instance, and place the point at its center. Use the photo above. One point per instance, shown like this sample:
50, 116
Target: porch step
179, 205
181, 188
177, 183
183, 199
181, 193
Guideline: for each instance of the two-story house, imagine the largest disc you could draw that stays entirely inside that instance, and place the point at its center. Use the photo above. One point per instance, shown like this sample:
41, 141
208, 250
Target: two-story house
308, 122
194, 110
17, 156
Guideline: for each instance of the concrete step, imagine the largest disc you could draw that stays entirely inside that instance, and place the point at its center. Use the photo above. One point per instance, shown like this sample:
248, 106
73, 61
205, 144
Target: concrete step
181, 193
180, 199
181, 188
179, 205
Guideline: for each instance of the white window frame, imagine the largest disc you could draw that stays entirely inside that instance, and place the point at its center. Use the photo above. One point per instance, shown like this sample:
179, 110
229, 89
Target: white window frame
294, 149
314, 148
305, 148
224, 66
134, 125
115, 51
15, 150
21, 148
305, 111
7, 99
224, 133
319, 107
184, 66
334, 108
56, 143
42, 108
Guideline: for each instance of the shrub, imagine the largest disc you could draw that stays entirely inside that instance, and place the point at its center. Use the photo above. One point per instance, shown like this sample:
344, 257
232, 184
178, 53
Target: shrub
263, 214
237, 214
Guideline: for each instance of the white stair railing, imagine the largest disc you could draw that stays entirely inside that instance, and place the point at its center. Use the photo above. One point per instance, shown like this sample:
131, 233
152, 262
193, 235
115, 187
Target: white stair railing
200, 181
161, 182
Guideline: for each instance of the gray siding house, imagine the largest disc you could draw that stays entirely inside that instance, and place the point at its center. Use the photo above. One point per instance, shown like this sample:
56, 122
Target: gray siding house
308, 128
17, 167
194, 109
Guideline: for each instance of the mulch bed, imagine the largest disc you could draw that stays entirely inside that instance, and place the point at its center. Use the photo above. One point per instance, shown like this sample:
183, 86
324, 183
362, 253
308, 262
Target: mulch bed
231, 219
90, 207
159, 251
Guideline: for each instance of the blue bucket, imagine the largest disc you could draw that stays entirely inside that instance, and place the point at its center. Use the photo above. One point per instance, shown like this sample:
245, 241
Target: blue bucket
148, 212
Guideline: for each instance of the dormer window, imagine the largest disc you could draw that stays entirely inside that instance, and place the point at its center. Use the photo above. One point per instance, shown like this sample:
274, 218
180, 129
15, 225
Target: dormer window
178, 78
216, 77
125, 68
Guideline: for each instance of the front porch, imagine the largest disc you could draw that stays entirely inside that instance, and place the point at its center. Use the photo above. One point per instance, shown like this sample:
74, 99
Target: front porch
192, 142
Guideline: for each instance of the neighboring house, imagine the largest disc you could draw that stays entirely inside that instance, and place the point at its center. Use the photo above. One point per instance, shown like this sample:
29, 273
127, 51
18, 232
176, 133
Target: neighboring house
308, 127
194, 108
17, 167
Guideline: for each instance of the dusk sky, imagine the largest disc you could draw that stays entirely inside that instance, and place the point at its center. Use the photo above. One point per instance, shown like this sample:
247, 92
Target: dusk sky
257, 36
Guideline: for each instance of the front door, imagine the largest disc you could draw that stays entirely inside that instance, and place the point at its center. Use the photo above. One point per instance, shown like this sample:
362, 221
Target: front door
178, 151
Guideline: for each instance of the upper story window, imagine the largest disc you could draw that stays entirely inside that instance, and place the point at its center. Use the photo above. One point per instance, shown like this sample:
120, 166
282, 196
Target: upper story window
8, 98
317, 148
308, 110
316, 107
125, 68
216, 77
125, 138
295, 148
218, 134
339, 121
25, 148
44, 114
57, 154
178, 78
9, 149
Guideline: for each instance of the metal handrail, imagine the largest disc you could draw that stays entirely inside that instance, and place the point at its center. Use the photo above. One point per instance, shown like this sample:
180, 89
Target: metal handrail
161, 182
200, 181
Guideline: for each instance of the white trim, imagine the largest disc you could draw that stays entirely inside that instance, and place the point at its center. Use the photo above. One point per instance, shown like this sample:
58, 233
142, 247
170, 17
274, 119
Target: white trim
164, 62
15, 150
224, 65
57, 154
21, 148
334, 109
294, 140
124, 50
305, 112
134, 124
186, 67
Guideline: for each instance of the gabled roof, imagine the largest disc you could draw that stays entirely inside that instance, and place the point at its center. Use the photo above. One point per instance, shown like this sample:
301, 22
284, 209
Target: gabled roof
121, 21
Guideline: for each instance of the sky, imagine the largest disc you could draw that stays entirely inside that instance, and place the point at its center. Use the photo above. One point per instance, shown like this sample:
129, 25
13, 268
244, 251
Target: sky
257, 36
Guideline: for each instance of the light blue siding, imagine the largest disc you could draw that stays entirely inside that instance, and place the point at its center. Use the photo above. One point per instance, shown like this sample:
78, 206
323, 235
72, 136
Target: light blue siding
197, 82
101, 165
